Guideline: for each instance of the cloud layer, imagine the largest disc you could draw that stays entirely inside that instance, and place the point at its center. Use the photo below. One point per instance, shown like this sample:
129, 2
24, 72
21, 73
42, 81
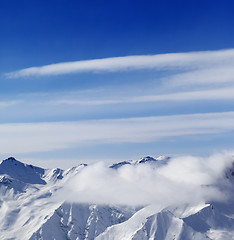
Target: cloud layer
188, 179
48, 136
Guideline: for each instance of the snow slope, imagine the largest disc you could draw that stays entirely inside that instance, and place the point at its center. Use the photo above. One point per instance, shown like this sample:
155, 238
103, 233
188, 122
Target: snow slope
29, 210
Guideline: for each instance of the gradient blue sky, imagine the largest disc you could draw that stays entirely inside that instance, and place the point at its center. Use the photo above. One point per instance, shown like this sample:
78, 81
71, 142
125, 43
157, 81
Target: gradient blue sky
66, 97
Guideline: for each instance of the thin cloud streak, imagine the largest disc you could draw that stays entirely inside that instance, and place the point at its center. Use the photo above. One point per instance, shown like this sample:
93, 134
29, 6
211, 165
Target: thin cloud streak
9, 103
214, 94
49, 136
70, 98
190, 60
213, 75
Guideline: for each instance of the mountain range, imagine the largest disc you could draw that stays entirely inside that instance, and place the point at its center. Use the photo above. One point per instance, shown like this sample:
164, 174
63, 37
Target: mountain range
30, 210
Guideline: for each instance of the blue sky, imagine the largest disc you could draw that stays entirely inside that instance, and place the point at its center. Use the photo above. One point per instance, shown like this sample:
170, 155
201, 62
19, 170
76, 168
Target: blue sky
82, 81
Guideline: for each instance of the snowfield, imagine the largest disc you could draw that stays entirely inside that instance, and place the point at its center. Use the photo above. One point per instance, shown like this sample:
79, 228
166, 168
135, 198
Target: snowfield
34, 205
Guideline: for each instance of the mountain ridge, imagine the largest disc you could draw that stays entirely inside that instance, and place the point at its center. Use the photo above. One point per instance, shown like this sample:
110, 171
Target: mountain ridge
31, 211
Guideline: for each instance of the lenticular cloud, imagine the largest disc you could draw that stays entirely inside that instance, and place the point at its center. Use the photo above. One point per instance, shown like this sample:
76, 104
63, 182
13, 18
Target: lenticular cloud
167, 182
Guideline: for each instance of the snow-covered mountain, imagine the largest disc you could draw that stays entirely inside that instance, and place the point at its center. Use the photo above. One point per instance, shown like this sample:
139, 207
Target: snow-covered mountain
29, 210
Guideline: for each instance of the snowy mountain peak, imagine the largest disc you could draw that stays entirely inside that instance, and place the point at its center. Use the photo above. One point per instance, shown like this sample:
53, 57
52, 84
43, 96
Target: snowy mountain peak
22, 172
161, 160
54, 174
10, 160
147, 159
120, 164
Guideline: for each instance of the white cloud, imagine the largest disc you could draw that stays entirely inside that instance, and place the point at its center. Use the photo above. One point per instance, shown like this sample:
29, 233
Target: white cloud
214, 75
210, 94
36, 137
65, 103
171, 184
190, 60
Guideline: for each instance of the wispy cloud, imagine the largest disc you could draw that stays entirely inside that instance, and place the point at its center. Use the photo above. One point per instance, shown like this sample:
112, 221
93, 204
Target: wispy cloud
49, 101
212, 94
222, 74
10, 103
35, 137
190, 60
